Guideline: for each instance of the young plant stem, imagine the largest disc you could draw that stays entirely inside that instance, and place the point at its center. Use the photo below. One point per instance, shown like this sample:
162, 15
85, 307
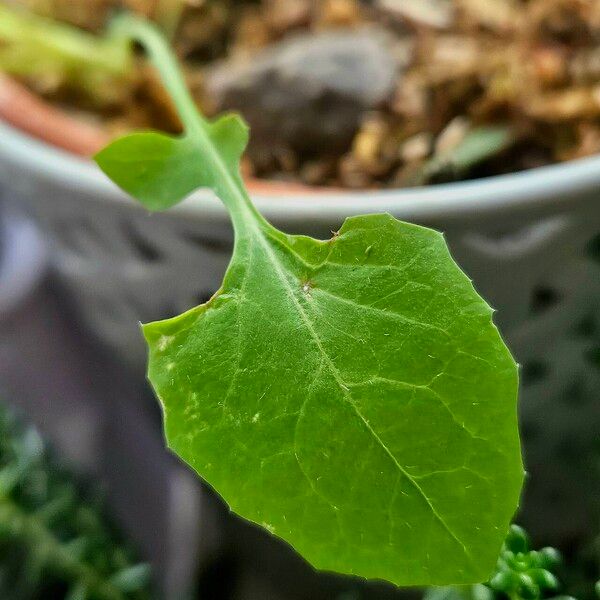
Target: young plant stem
243, 214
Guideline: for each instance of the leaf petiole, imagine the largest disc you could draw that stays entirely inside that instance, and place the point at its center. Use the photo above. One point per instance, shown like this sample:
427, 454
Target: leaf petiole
197, 129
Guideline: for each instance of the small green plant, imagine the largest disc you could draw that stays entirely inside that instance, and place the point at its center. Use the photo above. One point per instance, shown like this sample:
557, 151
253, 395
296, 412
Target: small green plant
55, 542
521, 574
353, 395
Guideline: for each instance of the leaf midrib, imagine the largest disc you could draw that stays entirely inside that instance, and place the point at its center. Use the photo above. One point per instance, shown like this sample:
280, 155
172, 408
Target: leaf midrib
281, 274
246, 221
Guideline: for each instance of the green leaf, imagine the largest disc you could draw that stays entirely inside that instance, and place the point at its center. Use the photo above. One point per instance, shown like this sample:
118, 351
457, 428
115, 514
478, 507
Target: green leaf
160, 170
35, 46
77, 592
520, 574
479, 145
131, 579
470, 592
54, 534
351, 395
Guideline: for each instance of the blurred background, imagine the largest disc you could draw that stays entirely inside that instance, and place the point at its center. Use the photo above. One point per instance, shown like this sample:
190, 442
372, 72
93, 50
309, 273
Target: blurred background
404, 97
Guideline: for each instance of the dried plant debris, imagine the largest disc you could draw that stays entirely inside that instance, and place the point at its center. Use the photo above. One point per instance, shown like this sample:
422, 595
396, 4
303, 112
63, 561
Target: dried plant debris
312, 90
352, 93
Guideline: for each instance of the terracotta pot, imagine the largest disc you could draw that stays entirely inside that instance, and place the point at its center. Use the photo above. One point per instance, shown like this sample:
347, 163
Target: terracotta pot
26, 111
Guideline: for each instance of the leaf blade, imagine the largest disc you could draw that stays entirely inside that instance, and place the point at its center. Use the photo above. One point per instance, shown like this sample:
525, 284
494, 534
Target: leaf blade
352, 396
261, 480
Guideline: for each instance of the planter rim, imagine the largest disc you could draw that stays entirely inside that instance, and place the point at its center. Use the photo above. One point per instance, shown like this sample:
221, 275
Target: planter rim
534, 188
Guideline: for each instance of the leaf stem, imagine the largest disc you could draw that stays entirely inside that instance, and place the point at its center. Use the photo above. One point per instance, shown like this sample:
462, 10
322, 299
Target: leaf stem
171, 74
244, 215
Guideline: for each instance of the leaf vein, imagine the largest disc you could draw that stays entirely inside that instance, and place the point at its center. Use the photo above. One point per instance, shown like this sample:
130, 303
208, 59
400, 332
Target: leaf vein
381, 311
348, 397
